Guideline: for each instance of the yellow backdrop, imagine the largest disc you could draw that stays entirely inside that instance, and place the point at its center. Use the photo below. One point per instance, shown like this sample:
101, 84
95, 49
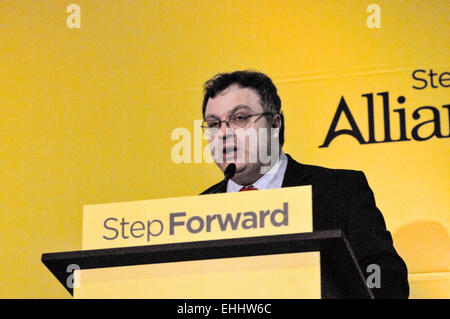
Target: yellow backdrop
87, 113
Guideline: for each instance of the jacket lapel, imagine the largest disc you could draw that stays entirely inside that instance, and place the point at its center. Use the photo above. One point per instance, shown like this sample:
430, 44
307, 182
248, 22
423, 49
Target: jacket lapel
295, 174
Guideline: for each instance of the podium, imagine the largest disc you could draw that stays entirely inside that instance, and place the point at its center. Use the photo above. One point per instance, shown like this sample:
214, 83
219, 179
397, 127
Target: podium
339, 273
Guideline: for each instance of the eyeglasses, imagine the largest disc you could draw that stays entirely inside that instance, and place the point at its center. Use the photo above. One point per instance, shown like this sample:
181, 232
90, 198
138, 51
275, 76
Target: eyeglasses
234, 121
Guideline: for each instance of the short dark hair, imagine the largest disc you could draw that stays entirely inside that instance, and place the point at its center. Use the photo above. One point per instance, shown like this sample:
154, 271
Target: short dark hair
261, 83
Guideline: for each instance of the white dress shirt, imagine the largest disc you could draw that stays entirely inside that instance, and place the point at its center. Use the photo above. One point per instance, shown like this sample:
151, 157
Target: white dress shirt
272, 179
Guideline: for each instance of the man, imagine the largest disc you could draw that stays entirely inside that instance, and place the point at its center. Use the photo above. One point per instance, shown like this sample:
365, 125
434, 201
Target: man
237, 102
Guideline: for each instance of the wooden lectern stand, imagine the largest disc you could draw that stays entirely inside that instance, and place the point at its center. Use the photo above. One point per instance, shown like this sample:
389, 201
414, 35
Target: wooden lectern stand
304, 265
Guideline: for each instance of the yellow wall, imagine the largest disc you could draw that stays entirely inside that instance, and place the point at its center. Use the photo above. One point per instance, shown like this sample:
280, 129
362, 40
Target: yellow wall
87, 114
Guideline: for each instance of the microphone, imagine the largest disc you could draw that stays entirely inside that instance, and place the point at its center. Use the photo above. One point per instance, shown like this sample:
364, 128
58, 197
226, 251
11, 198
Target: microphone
229, 173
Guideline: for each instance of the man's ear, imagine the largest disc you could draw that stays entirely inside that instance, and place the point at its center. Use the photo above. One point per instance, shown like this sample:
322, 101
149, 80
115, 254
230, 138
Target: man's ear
276, 121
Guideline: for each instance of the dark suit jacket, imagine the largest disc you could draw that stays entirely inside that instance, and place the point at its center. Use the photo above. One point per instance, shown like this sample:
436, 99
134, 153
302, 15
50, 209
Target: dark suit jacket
342, 199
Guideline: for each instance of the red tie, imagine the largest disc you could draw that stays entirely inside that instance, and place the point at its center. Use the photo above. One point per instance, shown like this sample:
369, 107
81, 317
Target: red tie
248, 188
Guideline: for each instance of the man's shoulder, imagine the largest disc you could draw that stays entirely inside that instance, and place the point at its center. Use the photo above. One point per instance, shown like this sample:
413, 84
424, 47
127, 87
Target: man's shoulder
320, 174
327, 172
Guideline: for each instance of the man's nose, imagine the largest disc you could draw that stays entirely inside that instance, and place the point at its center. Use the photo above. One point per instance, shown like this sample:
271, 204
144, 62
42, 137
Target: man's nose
225, 129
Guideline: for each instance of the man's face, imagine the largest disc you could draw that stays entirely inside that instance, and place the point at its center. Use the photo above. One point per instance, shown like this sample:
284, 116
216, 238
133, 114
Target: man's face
236, 145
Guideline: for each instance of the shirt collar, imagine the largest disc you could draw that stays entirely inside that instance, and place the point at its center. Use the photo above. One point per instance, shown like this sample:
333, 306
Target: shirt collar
272, 179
